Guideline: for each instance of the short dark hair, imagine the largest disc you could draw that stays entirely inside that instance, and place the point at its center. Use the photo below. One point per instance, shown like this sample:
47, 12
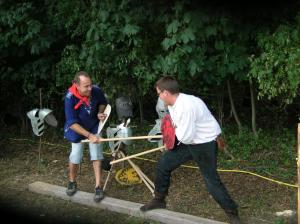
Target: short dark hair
78, 74
168, 83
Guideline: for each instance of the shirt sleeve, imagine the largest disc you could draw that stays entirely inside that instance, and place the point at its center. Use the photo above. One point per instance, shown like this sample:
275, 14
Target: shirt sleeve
70, 113
101, 99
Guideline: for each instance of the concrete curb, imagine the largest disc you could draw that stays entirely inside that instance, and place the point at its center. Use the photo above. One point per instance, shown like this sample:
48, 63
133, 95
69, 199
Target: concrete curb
121, 206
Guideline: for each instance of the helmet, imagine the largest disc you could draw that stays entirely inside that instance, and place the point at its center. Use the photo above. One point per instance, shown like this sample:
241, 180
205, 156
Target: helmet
156, 131
124, 107
37, 117
161, 108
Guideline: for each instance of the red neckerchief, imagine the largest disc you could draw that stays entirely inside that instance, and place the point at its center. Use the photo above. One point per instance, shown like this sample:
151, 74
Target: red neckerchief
82, 99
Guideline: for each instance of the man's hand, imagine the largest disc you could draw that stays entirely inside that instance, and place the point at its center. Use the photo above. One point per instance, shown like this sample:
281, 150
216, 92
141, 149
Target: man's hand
94, 138
101, 116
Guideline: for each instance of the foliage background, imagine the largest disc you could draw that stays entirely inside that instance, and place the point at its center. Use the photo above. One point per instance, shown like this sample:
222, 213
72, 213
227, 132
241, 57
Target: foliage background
241, 58
127, 45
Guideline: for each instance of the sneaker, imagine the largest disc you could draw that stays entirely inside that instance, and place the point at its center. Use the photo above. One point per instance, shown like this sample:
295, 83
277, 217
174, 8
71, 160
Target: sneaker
72, 188
233, 216
157, 202
153, 204
99, 195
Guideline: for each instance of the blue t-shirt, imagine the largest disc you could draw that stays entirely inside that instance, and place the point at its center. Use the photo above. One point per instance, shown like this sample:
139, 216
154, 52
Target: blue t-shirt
85, 116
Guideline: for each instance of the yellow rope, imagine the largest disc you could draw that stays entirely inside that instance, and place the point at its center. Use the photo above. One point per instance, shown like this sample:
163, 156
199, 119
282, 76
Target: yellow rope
186, 166
233, 171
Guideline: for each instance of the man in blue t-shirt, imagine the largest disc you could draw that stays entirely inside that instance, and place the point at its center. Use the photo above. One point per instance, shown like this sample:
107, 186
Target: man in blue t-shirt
84, 106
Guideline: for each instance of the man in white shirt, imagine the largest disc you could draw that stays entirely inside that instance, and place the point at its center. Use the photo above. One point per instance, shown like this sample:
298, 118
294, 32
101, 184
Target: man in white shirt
196, 131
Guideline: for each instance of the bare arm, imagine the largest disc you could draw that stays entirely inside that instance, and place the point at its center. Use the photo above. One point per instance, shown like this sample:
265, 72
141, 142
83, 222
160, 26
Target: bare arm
80, 130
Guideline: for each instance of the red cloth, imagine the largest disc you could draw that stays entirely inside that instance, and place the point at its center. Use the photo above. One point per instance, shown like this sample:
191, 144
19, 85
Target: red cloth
168, 132
82, 99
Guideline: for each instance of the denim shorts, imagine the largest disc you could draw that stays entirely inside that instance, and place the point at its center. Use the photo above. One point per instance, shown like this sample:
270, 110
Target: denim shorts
96, 152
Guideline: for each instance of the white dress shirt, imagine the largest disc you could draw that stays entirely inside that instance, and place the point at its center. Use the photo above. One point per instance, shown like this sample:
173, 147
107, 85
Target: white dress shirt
193, 121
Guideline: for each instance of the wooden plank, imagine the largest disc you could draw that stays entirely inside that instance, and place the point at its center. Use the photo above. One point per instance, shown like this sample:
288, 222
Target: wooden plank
121, 206
126, 138
137, 154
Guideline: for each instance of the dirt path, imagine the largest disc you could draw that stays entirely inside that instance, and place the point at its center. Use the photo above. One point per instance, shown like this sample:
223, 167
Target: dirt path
258, 199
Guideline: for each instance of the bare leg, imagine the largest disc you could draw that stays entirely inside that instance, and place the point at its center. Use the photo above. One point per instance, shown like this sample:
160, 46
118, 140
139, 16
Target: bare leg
72, 185
97, 172
73, 171
98, 177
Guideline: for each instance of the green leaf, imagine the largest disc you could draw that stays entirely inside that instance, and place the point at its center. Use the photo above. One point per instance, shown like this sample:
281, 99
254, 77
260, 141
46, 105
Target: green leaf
130, 29
210, 31
187, 35
219, 45
173, 27
166, 43
193, 67
187, 48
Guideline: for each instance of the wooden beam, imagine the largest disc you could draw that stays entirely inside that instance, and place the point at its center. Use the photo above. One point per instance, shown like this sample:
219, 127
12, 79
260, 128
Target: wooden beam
136, 155
121, 206
126, 138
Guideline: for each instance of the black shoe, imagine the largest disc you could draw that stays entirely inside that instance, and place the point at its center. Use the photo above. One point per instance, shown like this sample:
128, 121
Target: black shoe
72, 188
233, 216
153, 204
99, 195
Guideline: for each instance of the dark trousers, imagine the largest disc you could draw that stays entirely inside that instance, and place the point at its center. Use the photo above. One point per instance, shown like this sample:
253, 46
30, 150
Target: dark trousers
205, 155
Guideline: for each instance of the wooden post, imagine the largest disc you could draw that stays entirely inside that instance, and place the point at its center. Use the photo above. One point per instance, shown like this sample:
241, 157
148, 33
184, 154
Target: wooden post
298, 169
40, 138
